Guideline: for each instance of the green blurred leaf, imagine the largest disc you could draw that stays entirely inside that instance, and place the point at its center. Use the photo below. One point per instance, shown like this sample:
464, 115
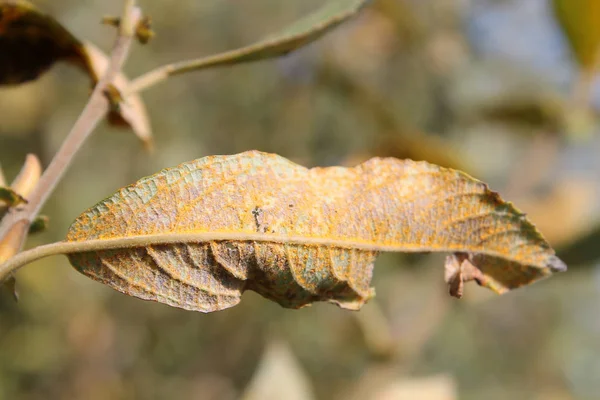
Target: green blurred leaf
580, 20
299, 34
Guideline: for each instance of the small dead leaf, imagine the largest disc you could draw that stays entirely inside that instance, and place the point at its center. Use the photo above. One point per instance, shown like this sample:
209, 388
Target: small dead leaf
458, 269
198, 235
131, 112
278, 376
34, 41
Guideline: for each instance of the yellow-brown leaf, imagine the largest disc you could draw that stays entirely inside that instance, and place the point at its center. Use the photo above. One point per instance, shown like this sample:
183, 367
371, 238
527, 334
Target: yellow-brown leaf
198, 235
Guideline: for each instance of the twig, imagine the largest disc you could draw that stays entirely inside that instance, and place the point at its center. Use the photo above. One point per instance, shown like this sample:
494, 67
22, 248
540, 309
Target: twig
93, 112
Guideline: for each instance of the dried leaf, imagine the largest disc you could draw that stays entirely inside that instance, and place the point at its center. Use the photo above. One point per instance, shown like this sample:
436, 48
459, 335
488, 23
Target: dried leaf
299, 34
198, 235
278, 376
580, 19
131, 112
34, 42
459, 269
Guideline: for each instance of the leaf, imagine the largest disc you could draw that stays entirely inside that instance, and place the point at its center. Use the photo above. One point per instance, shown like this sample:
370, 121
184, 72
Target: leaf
278, 376
34, 41
299, 34
132, 111
198, 235
580, 20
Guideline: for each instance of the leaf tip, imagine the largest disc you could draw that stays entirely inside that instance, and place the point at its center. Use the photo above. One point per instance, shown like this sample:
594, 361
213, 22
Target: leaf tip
556, 264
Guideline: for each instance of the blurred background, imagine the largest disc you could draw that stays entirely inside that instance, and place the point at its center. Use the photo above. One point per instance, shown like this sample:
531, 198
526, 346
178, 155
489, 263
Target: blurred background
497, 88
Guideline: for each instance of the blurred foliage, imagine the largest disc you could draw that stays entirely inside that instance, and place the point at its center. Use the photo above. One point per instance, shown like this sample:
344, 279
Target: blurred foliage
580, 20
403, 75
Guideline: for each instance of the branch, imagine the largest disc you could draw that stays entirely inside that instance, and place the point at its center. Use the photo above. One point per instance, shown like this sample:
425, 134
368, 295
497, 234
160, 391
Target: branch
93, 112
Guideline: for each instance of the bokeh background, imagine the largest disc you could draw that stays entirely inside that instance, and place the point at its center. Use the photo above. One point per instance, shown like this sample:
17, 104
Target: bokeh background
492, 87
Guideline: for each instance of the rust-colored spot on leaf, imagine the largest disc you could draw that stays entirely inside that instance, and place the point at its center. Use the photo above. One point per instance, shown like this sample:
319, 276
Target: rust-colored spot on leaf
198, 235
